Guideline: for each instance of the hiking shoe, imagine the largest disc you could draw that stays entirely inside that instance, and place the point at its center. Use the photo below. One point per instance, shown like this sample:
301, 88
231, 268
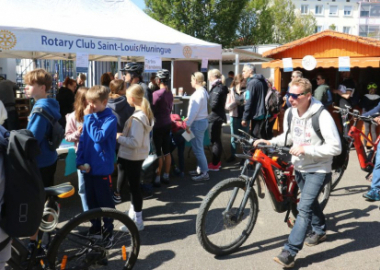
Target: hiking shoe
201, 177
230, 159
285, 259
116, 198
214, 168
372, 195
313, 239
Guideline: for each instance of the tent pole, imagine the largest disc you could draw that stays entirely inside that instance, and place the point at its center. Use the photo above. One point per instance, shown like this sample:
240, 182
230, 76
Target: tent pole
220, 66
119, 67
237, 64
172, 75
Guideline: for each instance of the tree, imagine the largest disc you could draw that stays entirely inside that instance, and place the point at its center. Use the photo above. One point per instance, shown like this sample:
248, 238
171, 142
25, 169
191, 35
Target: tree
211, 20
332, 27
287, 24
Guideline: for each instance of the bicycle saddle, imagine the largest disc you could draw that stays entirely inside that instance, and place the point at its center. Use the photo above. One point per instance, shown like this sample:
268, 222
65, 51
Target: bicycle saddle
64, 190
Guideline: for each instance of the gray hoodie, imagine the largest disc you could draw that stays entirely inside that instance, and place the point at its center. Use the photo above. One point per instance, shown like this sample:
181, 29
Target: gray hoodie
135, 141
318, 156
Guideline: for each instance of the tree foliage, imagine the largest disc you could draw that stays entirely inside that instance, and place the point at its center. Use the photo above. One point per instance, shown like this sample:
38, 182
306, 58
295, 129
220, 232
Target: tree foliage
234, 22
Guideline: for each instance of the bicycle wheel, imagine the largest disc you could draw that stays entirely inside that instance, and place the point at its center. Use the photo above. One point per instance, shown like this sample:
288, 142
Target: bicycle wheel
84, 248
221, 232
323, 198
338, 174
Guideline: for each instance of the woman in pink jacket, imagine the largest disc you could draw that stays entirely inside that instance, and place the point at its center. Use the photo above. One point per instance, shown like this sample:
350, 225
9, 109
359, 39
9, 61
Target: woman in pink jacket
74, 125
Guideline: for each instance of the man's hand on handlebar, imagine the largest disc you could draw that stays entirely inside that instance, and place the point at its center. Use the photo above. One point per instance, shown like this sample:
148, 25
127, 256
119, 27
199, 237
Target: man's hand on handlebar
255, 143
297, 151
377, 120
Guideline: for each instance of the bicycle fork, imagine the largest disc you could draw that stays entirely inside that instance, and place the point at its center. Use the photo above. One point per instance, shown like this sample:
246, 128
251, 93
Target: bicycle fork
248, 189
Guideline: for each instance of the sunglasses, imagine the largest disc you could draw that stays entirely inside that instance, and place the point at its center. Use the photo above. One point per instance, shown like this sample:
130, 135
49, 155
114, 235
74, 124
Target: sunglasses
295, 96
372, 86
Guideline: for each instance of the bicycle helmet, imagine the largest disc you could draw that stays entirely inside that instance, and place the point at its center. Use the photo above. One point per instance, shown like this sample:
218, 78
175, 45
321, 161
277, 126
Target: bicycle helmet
163, 75
133, 67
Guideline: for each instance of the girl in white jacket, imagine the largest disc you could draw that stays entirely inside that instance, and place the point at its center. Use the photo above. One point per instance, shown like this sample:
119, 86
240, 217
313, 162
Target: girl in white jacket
134, 149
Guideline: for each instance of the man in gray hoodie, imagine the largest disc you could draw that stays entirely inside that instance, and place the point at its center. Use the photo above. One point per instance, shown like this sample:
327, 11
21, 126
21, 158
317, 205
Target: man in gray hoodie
312, 159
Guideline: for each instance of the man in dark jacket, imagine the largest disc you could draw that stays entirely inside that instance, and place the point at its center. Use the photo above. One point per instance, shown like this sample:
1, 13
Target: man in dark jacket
217, 101
254, 109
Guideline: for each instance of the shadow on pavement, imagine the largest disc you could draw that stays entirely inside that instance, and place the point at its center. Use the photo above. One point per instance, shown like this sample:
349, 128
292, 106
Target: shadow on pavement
154, 260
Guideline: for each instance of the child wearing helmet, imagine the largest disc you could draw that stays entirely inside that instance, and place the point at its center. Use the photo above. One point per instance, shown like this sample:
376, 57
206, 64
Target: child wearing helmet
369, 102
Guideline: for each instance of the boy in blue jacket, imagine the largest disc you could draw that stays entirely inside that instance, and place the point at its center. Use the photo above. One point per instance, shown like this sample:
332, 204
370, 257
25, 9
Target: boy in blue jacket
96, 154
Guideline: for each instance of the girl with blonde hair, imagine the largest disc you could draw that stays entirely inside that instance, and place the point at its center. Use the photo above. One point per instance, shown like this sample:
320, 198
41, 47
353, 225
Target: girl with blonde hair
74, 126
134, 149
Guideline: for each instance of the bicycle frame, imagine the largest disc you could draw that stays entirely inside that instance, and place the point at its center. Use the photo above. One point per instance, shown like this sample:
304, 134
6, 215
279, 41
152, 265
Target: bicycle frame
355, 134
264, 164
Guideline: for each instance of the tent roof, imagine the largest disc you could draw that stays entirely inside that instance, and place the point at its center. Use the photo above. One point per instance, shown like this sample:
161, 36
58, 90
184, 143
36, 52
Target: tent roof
325, 44
110, 28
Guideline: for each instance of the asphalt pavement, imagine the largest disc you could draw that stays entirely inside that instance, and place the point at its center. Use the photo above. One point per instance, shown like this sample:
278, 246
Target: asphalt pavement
169, 240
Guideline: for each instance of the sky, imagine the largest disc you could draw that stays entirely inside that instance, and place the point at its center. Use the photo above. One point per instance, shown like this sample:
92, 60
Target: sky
139, 3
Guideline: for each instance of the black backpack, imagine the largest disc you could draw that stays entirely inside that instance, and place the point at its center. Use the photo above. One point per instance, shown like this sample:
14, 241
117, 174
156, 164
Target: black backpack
339, 160
24, 194
272, 103
57, 132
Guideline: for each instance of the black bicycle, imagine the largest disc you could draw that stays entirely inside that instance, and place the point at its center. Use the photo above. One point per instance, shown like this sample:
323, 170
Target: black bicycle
75, 245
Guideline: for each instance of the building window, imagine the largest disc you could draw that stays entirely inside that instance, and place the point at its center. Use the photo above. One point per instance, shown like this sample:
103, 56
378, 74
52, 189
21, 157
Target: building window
347, 29
318, 29
304, 9
333, 10
318, 9
364, 11
363, 30
347, 10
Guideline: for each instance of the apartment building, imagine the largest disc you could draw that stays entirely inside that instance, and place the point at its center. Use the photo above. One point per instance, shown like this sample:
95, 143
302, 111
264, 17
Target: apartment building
338, 15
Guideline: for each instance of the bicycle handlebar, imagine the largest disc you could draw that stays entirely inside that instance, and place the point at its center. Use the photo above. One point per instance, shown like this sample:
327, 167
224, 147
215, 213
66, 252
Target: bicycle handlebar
275, 147
356, 114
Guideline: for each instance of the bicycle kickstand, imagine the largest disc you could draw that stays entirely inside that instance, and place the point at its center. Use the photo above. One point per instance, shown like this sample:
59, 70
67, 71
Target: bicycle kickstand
289, 221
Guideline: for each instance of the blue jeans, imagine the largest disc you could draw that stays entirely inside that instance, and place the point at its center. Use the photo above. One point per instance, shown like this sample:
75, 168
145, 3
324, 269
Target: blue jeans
198, 128
376, 173
309, 211
235, 124
82, 191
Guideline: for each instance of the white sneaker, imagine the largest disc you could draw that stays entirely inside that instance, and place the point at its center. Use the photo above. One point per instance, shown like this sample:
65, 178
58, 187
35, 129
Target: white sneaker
131, 215
140, 226
195, 172
201, 177
124, 228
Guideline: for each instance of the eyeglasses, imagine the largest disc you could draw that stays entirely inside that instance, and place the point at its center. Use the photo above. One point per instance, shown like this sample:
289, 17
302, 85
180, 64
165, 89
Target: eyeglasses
295, 96
372, 86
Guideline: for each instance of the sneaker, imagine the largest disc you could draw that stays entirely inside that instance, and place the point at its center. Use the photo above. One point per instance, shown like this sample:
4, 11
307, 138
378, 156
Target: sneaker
372, 195
195, 172
201, 177
140, 225
93, 231
230, 159
214, 168
116, 198
285, 259
165, 180
157, 182
313, 239
176, 171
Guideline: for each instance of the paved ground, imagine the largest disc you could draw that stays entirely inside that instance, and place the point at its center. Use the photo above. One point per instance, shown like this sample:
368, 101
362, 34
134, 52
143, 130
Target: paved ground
169, 240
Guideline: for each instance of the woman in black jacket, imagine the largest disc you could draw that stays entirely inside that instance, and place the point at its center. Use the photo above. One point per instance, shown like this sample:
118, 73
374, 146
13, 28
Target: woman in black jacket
65, 98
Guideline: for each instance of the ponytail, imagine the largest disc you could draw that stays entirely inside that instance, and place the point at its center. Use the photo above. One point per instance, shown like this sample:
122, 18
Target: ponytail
145, 107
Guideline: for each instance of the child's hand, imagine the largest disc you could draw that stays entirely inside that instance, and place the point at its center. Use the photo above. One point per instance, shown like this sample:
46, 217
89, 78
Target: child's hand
80, 129
89, 110
188, 130
118, 135
86, 168
184, 120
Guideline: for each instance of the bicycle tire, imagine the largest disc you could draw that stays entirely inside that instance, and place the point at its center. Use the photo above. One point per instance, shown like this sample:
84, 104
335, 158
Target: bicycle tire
71, 230
337, 174
323, 198
205, 238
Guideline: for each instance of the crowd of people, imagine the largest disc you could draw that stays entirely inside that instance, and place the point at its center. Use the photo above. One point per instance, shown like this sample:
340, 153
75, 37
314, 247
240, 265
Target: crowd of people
126, 118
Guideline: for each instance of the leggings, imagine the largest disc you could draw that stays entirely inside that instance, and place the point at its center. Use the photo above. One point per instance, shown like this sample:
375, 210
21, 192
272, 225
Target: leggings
131, 170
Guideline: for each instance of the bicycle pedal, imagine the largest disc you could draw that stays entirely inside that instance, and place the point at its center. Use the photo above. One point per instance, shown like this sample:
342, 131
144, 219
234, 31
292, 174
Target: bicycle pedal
290, 222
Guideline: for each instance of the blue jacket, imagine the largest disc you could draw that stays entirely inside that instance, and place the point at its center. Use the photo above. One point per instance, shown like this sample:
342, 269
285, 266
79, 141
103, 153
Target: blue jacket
41, 128
98, 142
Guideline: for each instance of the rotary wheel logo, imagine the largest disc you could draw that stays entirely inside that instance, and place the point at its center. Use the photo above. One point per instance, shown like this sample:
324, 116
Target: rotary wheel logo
187, 52
7, 40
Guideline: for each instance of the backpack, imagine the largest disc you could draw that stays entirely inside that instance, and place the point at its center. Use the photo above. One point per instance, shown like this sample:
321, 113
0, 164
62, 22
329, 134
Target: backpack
272, 102
57, 132
339, 160
24, 194
327, 99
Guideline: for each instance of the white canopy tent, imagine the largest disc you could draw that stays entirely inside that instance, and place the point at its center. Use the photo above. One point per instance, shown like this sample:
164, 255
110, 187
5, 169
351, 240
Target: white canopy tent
108, 30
